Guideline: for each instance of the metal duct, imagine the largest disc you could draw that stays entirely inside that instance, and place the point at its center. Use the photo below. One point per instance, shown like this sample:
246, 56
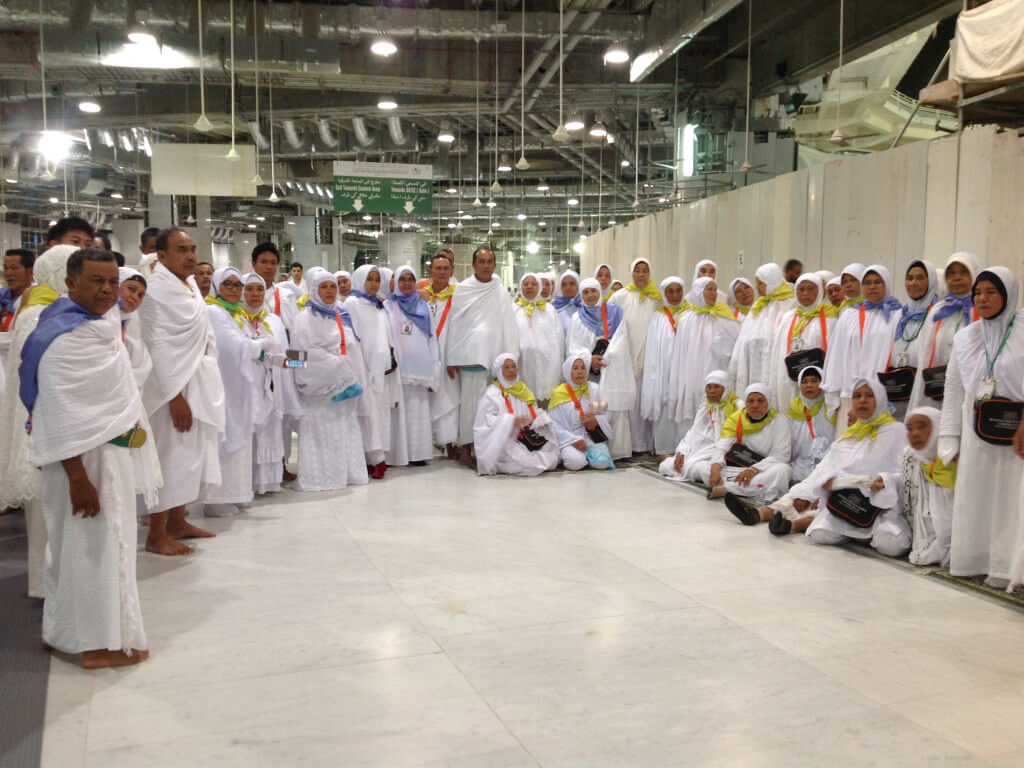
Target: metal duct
395, 129
324, 129
363, 135
291, 135
13, 161
257, 135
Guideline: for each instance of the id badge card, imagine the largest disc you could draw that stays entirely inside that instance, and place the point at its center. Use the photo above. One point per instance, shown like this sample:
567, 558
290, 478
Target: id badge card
986, 388
407, 328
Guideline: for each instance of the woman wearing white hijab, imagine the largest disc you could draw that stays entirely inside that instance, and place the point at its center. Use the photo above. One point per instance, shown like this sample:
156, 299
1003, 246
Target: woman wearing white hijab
927, 489
757, 431
801, 337
708, 268
811, 428
598, 325
752, 356
850, 280
861, 340
380, 406
241, 371
603, 275
508, 411
864, 465
568, 300
656, 404
639, 301
331, 454
344, 279
578, 418
945, 318
741, 298
834, 292
541, 339
698, 444
987, 362
921, 283
418, 361
704, 342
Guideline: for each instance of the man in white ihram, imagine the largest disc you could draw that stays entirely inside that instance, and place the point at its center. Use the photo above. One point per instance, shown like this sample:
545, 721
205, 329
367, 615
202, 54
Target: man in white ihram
77, 385
184, 395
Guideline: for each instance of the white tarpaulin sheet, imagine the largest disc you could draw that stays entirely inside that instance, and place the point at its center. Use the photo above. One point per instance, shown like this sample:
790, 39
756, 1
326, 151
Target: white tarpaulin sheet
989, 41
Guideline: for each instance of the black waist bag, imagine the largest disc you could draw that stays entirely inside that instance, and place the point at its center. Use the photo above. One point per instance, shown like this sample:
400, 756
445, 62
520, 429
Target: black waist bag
997, 419
532, 439
597, 435
800, 360
934, 382
600, 347
853, 507
898, 383
741, 456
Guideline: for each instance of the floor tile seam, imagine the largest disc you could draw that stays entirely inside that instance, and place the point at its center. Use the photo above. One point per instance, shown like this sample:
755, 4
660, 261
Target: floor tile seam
191, 686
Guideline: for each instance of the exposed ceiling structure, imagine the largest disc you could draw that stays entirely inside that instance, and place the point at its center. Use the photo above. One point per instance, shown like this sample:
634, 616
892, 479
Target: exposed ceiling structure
488, 71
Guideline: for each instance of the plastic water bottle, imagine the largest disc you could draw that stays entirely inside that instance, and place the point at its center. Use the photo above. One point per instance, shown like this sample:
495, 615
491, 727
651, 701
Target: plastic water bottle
759, 496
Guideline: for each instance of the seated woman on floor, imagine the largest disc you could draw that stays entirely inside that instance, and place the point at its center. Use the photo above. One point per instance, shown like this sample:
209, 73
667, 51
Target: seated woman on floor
858, 483
512, 435
751, 457
580, 418
698, 444
927, 489
811, 428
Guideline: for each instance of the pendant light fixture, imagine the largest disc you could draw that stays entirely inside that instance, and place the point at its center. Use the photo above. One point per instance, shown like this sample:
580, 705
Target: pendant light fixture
496, 185
232, 153
636, 152
747, 167
560, 134
257, 179
46, 136
522, 164
837, 138
476, 76
273, 171
203, 123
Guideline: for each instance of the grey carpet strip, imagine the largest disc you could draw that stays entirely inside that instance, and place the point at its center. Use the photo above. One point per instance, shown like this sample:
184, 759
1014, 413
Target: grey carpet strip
24, 664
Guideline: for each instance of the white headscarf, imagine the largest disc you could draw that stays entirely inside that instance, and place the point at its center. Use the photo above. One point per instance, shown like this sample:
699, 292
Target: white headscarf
811, 277
536, 277
701, 263
567, 364
127, 273
222, 274
771, 275
721, 378
927, 454
590, 282
761, 389
800, 377
611, 274
251, 278
854, 269
314, 277
969, 262
52, 267
568, 273
496, 369
672, 279
697, 291
732, 290
881, 398
342, 273
933, 285
632, 266
824, 275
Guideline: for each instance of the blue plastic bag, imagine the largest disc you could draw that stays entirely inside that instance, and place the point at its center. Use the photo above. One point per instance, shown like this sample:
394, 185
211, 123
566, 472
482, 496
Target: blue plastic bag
354, 391
599, 457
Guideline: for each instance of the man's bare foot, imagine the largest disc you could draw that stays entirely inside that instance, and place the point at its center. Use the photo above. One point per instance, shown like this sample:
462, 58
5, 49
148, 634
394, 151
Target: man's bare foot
100, 659
164, 544
188, 531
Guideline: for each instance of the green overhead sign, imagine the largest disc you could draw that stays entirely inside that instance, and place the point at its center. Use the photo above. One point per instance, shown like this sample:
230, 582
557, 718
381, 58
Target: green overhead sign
383, 188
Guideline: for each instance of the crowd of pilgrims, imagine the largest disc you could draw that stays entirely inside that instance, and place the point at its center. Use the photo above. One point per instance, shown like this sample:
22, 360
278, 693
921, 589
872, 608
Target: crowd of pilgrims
819, 404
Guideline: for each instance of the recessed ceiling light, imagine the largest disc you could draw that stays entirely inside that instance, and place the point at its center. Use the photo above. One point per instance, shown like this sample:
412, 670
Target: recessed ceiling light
467, 217
54, 200
128, 208
624, 163
617, 53
291, 223
505, 165
491, 203
251, 226
542, 223
452, 191
387, 103
89, 106
611, 222
451, 225
573, 201
116, 195
521, 216
11, 181
445, 135
598, 130
574, 123
542, 186
496, 225
367, 217
383, 46
261, 218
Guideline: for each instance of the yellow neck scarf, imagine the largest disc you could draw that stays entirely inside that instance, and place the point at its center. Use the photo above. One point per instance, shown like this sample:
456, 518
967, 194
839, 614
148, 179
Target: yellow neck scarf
519, 389
560, 394
940, 474
531, 304
647, 292
805, 316
718, 309
39, 295
851, 302
782, 292
749, 427
235, 313
728, 402
254, 317
796, 410
302, 301
440, 295
742, 310
868, 429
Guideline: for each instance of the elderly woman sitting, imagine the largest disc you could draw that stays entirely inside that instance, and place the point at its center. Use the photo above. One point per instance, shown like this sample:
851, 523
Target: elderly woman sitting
512, 435
582, 425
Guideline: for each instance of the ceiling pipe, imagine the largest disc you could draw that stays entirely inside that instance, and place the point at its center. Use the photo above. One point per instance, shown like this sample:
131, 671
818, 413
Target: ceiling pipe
324, 129
398, 135
291, 135
364, 136
257, 135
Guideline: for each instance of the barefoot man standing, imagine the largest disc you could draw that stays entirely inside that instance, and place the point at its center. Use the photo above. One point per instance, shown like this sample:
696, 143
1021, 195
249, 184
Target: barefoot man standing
76, 383
183, 395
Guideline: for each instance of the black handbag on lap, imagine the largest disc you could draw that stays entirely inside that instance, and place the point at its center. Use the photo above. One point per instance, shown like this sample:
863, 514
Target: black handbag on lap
853, 507
898, 383
934, 382
741, 456
532, 439
996, 420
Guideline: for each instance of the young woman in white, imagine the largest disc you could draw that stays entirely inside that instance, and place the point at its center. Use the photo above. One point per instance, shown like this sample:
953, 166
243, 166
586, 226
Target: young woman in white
708, 268
812, 429
752, 356
541, 338
850, 279
603, 275
506, 408
921, 283
656, 401
568, 300
574, 415
698, 444
418, 362
598, 325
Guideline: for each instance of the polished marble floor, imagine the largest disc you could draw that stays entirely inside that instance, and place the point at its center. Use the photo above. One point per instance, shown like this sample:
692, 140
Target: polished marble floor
596, 619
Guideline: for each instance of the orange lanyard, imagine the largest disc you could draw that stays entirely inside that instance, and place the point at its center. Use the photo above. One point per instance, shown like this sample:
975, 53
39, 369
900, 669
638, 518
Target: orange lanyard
810, 424
508, 404
935, 338
444, 316
736, 314
739, 430
277, 302
863, 313
575, 400
7, 321
604, 320
824, 330
341, 330
668, 314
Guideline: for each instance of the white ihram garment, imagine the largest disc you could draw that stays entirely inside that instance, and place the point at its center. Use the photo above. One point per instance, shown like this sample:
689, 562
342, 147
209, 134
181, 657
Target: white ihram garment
541, 349
444, 399
656, 403
568, 428
637, 311
772, 478
699, 443
498, 451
